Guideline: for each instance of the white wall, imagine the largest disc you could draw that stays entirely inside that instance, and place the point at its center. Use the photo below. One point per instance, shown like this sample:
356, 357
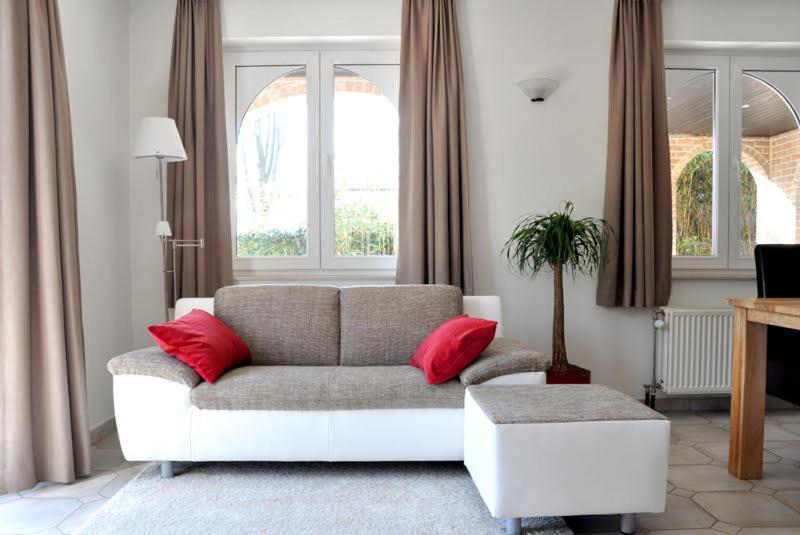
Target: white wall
725, 21
95, 34
151, 47
528, 157
310, 18
524, 157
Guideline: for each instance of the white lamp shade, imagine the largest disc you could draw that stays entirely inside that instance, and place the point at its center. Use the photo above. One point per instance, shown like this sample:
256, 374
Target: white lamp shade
158, 138
537, 89
162, 229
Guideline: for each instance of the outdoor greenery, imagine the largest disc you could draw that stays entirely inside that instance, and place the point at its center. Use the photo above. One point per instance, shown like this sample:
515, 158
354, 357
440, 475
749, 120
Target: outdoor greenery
694, 193
359, 231
694, 197
273, 242
563, 244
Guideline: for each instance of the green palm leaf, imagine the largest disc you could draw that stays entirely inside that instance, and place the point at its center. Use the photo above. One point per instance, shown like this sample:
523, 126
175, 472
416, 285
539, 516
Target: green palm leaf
563, 244
557, 240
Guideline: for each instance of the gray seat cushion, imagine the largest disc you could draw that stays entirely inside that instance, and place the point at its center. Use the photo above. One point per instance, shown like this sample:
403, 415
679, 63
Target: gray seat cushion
326, 388
383, 325
284, 325
391, 387
288, 388
530, 404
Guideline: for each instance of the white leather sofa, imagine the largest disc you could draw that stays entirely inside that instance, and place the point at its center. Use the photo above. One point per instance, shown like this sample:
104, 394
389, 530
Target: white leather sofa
329, 380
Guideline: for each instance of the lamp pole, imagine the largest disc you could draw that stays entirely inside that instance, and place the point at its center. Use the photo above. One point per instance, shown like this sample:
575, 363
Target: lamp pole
158, 138
164, 233
199, 243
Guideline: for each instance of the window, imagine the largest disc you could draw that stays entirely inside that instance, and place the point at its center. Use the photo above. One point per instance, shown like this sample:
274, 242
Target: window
314, 159
735, 157
272, 170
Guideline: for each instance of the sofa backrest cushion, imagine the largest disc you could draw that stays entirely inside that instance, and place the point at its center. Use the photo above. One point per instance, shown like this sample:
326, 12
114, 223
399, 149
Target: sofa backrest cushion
383, 325
284, 325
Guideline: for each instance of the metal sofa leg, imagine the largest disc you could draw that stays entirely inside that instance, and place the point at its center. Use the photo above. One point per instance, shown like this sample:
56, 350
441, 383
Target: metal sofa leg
166, 469
627, 523
513, 526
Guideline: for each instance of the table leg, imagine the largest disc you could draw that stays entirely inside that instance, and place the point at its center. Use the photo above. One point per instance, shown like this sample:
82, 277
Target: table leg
745, 459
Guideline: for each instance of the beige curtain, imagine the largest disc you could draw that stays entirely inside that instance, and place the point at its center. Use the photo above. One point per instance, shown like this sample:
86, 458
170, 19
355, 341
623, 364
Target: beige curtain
197, 189
44, 430
638, 203
434, 241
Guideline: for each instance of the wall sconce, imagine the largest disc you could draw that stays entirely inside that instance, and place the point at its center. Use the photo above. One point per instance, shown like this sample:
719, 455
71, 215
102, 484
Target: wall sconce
537, 89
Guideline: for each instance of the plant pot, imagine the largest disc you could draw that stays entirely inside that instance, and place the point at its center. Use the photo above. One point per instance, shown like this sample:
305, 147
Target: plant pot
575, 375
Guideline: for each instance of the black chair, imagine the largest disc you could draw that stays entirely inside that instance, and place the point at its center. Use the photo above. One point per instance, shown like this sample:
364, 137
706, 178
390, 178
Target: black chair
778, 275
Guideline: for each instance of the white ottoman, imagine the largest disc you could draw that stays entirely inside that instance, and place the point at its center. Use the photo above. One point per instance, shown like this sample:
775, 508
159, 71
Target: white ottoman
556, 450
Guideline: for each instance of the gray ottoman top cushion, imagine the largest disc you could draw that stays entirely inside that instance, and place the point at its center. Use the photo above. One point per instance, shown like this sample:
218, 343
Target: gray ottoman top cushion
528, 404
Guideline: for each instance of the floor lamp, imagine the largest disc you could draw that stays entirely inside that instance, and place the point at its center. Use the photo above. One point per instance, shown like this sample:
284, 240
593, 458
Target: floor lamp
158, 138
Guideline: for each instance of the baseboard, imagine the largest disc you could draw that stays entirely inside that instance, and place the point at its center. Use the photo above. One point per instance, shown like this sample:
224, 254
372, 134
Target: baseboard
711, 403
102, 430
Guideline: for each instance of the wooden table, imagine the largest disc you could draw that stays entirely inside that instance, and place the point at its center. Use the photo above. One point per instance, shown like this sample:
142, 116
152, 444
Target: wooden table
750, 320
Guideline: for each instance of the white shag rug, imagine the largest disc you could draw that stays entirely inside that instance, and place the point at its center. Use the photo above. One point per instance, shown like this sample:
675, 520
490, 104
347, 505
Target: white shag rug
305, 498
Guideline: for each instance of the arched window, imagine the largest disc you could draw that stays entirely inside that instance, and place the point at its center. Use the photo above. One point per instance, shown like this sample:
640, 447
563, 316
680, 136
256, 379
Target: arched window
365, 142
316, 168
734, 133
271, 168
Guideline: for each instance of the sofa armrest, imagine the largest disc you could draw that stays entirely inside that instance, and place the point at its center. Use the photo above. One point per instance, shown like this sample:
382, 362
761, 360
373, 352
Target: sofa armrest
152, 361
503, 357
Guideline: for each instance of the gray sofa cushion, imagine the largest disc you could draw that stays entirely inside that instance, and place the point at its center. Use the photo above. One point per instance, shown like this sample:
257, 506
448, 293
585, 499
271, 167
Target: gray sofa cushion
383, 325
558, 404
154, 362
326, 388
292, 388
284, 325
503, 356
391, 387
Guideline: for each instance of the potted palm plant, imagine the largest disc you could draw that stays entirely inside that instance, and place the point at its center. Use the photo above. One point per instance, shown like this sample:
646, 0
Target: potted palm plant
560, 243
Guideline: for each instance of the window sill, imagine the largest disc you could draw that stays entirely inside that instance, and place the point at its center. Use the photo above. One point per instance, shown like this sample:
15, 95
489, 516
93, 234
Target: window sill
713, 274
349, 277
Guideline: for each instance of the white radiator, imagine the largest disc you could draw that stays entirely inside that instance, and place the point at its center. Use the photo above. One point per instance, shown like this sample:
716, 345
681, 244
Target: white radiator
693, 350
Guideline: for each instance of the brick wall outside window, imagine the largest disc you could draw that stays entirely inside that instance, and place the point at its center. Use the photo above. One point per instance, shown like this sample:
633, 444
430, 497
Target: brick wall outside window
291, 86
777, 158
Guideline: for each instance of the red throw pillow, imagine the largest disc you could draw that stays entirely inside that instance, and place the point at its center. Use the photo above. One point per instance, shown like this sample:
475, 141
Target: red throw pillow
203, 342
452, 346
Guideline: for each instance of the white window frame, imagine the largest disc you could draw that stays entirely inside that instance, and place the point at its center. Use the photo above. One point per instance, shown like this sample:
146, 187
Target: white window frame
721, 67
291, 60
726, 262
328, 61
739, 64
320, 263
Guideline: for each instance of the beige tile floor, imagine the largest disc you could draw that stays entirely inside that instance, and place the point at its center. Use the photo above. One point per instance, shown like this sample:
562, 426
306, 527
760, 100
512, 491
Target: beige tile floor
702, 499
53, 508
